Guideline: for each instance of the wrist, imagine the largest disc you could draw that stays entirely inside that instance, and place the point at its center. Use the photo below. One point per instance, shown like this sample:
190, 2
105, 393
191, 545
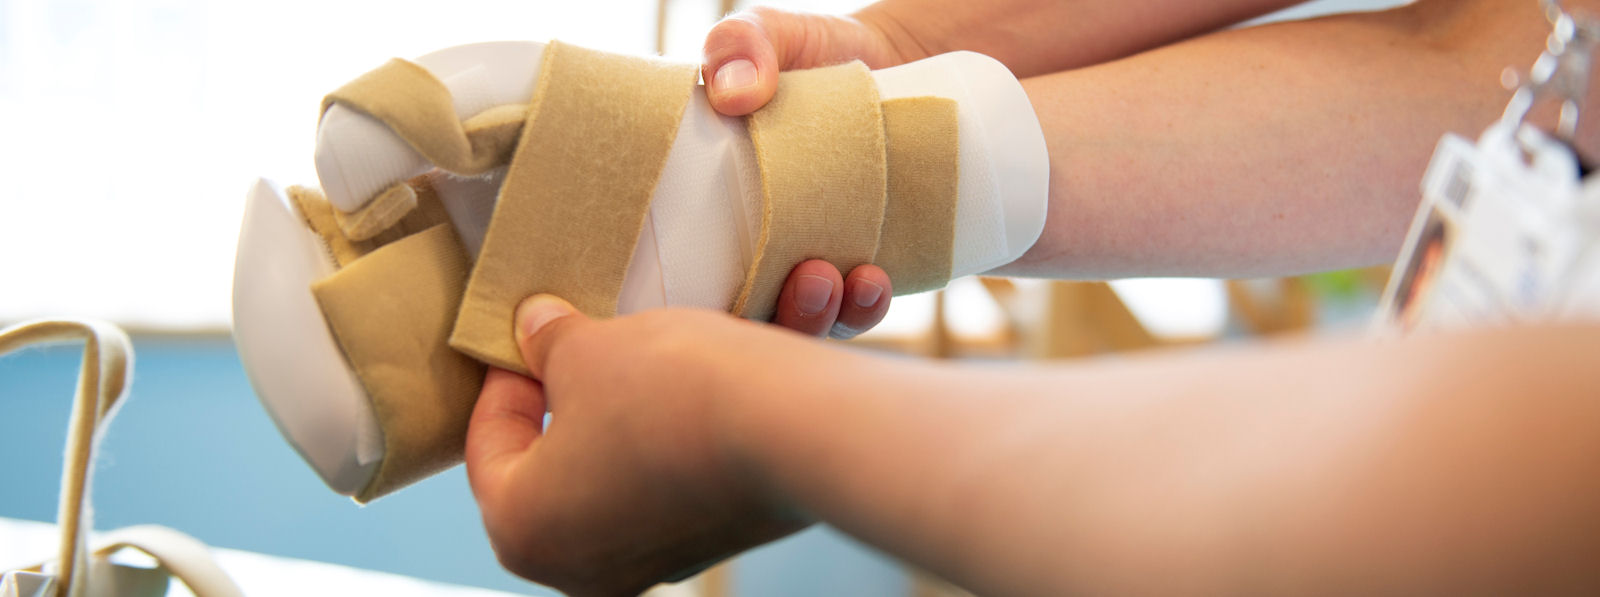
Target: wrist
904, 38
765, 408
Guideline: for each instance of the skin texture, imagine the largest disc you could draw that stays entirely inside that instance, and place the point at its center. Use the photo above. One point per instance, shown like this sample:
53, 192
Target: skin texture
1026, 35
1167, 165
1464, 463
598, 505
1334, 467
1163, 164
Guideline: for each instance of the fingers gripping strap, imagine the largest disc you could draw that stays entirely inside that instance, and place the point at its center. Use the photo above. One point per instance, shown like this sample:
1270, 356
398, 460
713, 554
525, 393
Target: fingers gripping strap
392, 311
920, 217
820, 148
574, 200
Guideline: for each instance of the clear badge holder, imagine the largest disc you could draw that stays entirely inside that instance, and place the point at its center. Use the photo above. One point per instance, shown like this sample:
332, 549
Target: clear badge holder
1508, 229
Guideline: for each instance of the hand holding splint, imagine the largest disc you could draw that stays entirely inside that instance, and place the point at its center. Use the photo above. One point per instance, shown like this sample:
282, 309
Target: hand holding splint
632, 483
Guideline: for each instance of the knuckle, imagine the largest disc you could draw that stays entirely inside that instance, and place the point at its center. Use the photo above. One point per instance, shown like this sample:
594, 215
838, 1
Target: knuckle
542, 566
735, 34
513, 556
762, 14
818, 327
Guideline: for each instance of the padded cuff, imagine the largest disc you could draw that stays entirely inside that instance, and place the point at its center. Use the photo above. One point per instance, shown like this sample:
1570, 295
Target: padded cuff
391, 311
391, 306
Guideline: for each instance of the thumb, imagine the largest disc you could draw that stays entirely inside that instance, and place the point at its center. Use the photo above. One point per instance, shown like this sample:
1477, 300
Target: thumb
542, 321
508, 418
741, 62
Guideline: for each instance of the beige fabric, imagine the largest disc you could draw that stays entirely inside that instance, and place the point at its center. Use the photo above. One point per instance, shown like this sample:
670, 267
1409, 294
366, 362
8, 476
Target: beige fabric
391, 306
420, 110
574, 201
820, 147
321, 218
379, 214
418, 107
315, 211
392, 311
919, 221
495, 131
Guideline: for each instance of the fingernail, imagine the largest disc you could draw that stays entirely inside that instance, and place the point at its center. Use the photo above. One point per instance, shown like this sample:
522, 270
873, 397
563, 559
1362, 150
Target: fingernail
811, 293
736, 75
539, 310
866, 293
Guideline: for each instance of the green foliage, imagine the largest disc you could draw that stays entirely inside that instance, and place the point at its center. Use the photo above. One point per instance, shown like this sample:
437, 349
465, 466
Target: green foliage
1340, 285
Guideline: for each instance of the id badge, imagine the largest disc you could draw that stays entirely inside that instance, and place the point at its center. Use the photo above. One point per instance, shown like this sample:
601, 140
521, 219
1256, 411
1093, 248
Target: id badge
1493, 241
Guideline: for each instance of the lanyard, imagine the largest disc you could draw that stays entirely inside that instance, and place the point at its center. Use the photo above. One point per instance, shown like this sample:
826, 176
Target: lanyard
1508, 229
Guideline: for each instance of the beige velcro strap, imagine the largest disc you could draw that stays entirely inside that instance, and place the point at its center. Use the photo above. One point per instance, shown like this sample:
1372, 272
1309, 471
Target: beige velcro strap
820, 148
383, 211
919, 221
574, 200
392, 311
419, 108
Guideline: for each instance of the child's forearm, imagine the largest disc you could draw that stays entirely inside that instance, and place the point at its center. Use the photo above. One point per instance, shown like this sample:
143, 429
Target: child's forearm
1273, 150
1035, 37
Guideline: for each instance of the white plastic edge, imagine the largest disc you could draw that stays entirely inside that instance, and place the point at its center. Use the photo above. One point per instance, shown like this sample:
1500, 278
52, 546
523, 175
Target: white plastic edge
293, 361
994, 112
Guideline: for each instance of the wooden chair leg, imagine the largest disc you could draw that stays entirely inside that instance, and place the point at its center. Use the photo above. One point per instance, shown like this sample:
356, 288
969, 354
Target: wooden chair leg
1289, 307
1085, 318
927, 585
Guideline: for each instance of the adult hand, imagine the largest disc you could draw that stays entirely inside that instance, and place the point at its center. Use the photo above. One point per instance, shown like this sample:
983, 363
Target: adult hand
634, 482
743, 55
745, 51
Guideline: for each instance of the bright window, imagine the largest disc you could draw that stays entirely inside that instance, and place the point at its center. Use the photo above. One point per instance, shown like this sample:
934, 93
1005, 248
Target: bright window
130, 129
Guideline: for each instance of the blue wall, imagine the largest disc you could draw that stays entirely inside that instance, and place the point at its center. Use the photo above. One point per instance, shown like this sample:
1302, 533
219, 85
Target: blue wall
192, 449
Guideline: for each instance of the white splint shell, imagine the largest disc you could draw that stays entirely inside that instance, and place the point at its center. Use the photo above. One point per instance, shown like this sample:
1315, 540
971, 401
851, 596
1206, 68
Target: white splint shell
694, 251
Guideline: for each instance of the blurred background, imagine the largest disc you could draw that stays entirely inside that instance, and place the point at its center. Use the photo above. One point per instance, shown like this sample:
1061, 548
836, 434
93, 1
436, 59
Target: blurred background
129, 132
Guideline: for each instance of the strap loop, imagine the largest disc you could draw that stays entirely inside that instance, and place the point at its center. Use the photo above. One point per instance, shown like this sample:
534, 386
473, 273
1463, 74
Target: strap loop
419, 108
